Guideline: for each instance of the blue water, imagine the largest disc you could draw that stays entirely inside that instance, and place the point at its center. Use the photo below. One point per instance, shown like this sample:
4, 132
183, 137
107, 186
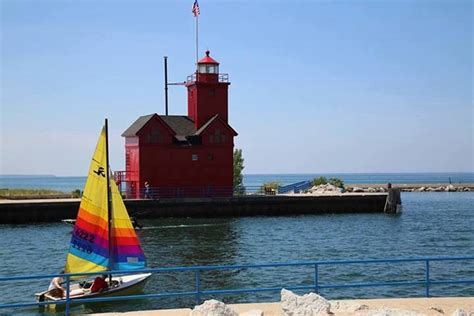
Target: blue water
432, 224
68, 184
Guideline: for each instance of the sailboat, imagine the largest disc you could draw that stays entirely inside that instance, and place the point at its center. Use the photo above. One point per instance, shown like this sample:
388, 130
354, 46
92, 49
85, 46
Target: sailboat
103, 238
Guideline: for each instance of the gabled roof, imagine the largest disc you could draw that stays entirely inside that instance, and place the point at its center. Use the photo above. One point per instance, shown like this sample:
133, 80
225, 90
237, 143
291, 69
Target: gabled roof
212, 119
181, 125
137, 125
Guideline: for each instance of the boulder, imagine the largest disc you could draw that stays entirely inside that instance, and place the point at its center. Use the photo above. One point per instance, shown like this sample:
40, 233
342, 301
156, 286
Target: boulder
422, 189
466, 189
460, 312
307, 305
324, 189
357, 189
450, 188
212, 308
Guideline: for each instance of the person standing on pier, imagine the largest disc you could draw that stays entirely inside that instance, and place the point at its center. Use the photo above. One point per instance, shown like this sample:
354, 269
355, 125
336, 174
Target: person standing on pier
147, 190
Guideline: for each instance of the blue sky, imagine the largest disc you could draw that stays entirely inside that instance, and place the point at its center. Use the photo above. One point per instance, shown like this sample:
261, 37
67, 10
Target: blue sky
317, 86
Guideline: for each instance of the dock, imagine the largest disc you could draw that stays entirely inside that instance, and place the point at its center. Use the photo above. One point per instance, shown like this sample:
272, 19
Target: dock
54, 210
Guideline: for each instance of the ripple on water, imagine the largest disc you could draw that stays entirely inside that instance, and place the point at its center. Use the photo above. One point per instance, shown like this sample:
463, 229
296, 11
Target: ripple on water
433, 224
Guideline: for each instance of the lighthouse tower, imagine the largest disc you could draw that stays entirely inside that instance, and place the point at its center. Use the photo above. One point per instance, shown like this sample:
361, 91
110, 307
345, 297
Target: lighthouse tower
184, 155
207, 92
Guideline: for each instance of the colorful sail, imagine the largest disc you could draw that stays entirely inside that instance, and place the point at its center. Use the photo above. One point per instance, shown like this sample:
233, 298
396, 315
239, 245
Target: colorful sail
127, 253
89, 248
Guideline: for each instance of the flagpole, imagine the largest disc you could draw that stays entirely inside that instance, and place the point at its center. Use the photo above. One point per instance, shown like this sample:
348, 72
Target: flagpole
197, 41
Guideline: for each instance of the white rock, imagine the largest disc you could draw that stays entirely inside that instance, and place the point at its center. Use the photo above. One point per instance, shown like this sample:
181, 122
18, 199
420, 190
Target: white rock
460, 312
212, 308
357, 189
347, 307
450, 188
421, 189
307, 305
253, 312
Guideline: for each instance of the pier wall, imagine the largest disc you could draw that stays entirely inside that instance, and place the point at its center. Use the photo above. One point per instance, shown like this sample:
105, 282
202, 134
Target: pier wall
17, 212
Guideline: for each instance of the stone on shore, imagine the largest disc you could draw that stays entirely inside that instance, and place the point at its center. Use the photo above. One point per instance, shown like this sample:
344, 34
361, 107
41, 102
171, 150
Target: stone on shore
450, 188
212, 308
307, 305
324, 189
460, 312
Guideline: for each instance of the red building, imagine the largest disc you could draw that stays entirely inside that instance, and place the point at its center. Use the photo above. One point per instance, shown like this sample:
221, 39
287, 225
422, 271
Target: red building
179, 155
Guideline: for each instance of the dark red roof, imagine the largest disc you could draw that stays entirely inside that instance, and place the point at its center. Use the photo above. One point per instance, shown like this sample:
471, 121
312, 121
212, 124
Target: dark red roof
208, 59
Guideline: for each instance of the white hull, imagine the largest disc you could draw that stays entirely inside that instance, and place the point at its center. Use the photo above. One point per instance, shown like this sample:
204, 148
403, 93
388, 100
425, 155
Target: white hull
121, 285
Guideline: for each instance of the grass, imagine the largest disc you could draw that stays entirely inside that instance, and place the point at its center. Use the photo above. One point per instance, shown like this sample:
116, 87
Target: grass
34, 194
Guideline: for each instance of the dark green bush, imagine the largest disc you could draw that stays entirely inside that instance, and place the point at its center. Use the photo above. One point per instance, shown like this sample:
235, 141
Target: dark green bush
337, 182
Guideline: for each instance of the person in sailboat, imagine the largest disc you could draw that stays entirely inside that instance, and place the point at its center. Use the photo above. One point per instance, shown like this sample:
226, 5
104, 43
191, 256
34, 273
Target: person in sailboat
55, 288
99, 284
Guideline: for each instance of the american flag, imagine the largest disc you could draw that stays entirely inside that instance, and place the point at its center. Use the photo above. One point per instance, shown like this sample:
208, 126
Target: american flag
195, 8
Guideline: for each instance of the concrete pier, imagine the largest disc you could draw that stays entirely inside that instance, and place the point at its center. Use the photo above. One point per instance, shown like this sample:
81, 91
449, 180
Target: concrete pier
405, 306
31, 211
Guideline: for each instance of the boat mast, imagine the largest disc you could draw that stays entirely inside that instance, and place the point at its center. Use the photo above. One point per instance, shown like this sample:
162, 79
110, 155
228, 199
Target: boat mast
109, 197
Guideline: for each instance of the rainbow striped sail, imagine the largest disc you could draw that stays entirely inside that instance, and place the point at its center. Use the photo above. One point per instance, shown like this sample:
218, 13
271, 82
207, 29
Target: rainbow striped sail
98, 244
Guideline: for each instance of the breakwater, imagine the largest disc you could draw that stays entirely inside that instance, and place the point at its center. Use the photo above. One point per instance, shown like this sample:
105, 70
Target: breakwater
28, 211
413, 187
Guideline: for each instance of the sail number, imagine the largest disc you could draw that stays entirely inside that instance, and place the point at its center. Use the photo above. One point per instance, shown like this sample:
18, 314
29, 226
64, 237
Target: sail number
81, 240
83, 235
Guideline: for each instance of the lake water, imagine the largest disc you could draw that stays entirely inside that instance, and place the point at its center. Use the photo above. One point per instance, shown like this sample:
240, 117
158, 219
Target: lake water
433, 224
69, 184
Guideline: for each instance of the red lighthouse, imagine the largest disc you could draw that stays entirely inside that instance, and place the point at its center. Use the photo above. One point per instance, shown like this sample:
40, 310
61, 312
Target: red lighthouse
184, 156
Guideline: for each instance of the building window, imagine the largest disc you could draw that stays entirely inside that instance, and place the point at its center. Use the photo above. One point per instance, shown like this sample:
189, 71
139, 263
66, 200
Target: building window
194, 157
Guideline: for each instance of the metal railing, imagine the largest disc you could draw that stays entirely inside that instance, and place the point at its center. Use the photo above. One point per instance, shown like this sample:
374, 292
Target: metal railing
199, 292
295, 187
222, 77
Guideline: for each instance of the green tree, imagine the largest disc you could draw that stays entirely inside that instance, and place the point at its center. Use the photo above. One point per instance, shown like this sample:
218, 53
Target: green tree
238, 167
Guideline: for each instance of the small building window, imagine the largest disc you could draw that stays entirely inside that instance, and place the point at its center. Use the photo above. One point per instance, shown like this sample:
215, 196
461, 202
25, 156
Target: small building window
194, 157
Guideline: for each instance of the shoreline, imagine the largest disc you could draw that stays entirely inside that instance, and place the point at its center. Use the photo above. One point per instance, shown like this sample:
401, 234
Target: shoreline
426, 306
350, 188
